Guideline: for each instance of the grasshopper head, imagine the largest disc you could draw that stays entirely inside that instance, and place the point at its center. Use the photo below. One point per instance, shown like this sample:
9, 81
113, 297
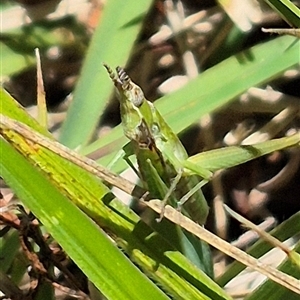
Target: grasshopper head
127, 89
131, 98
131, 91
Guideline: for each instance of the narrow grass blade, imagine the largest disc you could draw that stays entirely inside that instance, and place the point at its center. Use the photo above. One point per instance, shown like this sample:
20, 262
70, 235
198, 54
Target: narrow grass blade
288, 11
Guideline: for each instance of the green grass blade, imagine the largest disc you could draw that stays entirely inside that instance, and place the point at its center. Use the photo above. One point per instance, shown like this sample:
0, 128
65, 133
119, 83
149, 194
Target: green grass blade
78, 235
111, 43
288, 11
13, 109
218, 86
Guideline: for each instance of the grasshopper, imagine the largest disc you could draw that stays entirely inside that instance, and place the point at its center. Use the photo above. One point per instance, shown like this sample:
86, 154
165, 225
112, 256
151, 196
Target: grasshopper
158, 148
163, 166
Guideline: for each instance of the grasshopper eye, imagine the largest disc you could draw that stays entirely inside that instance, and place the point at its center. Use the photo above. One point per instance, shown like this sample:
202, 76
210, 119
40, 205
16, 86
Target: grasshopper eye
155, 129
138, 96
